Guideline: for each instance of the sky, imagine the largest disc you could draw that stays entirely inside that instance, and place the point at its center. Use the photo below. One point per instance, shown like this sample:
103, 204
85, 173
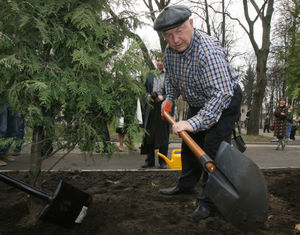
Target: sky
242, 44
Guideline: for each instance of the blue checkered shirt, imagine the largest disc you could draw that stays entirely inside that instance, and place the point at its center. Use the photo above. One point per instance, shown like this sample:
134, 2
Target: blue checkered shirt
203, 77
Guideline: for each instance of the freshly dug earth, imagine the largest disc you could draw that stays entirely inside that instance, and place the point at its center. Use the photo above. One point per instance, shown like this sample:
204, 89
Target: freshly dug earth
127, 202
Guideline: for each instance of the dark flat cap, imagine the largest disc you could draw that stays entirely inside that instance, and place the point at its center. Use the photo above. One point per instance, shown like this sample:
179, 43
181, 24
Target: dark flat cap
171, 17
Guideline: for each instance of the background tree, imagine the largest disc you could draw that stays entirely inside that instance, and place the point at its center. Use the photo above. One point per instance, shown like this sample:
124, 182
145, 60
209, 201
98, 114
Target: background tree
128, 21
287, 49
248, 82
264, 14
274, 88
160, 5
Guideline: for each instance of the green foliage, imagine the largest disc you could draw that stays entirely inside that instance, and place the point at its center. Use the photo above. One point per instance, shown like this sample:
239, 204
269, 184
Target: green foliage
289, 52
61, 64
293, 69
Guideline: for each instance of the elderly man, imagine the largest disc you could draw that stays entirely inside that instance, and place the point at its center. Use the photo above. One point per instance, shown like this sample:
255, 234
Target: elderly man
197, 68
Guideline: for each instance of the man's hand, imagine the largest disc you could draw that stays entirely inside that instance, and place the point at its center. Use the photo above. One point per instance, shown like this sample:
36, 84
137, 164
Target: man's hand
166, 106
149, 99
159, 98
182, 126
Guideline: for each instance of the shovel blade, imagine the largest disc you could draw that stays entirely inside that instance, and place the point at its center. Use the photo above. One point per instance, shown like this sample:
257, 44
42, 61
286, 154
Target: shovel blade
66, 205
238, 189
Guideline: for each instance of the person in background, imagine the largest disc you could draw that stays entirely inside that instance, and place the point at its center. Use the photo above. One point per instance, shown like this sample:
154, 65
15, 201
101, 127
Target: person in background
267, 124
247, 120
289, 122
280, 123
122, 131
5, 132
19, 135
157, 130
293, 130
197, 68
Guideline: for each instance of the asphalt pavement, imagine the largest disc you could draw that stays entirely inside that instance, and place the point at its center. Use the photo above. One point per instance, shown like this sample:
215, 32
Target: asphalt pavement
263, 154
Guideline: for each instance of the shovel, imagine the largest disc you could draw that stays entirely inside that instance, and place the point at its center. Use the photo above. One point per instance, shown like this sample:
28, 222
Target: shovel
66, 207
235, 184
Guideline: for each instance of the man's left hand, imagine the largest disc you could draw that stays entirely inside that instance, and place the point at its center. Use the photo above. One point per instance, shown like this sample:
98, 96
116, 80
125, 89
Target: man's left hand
182, 126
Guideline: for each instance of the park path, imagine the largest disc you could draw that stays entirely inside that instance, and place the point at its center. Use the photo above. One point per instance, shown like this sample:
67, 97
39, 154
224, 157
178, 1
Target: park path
263, 154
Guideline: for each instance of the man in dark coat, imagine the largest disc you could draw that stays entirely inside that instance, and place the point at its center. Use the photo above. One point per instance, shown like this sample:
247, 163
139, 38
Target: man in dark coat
267, 124
157, 136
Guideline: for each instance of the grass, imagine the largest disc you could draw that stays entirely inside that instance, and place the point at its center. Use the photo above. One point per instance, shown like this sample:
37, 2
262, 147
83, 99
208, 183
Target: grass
256, 138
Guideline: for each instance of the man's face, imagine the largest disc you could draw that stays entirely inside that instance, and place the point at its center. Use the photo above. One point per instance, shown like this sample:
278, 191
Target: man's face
159, 64
179, 38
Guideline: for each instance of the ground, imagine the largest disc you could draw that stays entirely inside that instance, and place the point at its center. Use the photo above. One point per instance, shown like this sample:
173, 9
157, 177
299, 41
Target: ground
128, 202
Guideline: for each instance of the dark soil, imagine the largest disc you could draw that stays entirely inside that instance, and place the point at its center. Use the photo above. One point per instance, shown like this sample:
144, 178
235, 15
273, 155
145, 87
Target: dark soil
129, 203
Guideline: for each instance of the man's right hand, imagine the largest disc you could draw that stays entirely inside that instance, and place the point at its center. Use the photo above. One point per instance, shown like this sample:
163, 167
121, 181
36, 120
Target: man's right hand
166, 106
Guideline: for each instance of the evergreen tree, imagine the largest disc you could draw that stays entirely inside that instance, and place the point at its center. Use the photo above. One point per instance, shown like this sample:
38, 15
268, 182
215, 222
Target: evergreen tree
248, 82
60, 64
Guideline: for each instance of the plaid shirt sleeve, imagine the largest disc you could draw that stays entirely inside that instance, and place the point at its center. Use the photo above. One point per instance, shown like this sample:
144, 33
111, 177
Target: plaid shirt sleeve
217, 84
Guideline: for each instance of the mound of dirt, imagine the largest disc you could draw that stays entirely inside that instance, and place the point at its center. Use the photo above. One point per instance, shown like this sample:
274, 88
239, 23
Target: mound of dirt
128, 202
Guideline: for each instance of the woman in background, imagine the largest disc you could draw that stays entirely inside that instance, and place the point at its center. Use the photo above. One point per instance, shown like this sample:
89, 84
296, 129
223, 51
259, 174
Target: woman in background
280, 123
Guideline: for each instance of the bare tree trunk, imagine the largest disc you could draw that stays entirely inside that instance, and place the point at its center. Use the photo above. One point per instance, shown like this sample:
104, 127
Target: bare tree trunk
272, 101
223, 23
207, 18
259, 93
160, 5
261, 57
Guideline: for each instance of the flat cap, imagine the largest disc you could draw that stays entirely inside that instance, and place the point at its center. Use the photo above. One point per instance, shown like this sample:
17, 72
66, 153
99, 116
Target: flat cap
171, 17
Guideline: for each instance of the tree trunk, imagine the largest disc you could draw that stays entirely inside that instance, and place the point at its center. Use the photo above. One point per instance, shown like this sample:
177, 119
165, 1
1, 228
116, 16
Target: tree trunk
34, 205
261, 57
258, 95
36, 156
207, 18
223, 24
160, 5
163, 42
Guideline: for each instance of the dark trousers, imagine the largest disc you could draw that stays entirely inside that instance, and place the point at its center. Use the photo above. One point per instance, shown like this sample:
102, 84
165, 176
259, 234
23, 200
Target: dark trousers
209, 141
267, 127
19, 127
293, 132
150, 160
4, 120
11, 125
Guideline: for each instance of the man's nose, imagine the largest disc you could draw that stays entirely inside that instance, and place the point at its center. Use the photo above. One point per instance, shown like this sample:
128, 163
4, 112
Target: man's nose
176, 38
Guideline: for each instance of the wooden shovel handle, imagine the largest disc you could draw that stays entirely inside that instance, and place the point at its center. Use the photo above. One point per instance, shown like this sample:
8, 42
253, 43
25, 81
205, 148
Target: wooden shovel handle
196, 149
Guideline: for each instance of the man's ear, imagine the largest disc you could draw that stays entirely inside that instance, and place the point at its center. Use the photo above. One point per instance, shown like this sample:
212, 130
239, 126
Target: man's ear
191, 23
